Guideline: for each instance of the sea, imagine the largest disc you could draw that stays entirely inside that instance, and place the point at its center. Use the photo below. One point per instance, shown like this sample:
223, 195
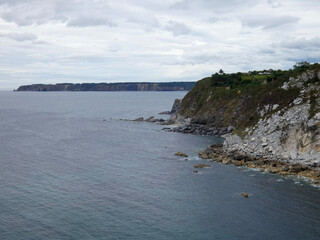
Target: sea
71, 169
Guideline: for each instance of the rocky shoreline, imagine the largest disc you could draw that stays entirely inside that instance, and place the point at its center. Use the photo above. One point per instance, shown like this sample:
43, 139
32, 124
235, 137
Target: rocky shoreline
198, 129
217, 153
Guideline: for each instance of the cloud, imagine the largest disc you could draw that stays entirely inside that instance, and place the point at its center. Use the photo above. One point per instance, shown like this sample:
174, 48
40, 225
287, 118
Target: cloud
181, 5
269, 22
22, 37
152, 40
25, 13
90, 22
311, 44
177, 28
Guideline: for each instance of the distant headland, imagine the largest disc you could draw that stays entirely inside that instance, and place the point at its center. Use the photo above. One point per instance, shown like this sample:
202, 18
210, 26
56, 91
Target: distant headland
125, 86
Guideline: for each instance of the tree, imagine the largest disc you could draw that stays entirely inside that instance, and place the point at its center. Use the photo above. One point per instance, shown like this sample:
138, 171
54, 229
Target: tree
301, 64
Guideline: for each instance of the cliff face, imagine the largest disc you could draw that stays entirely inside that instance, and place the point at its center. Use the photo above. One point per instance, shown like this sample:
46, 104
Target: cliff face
278, 116
292, 132
169, 86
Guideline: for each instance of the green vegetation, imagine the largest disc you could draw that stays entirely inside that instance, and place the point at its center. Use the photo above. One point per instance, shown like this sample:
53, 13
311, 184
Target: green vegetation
233, 99
313, 104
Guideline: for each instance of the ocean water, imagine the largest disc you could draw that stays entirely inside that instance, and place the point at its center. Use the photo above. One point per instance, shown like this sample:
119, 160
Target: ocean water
70, 169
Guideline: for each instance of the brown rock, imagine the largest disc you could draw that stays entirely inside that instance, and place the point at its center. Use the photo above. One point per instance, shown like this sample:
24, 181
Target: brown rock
274, 170
226, 161
203, 155
284, 173
238, 163
202, 165
295, 168
180, 154
244, 194
239, 156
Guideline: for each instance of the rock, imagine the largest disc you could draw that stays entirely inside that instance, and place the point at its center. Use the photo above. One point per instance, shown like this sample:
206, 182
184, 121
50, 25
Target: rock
297, 101
180, 154
203, 155
202, 165
285, 168
275, 106
150, 119
295, 168
273, 170
230, 129
195, 171
226, 161
285, 85
186, 159
165, 113
244, 194
264, 144
140, 119
239, 156
238, 163
175, 106
159, 120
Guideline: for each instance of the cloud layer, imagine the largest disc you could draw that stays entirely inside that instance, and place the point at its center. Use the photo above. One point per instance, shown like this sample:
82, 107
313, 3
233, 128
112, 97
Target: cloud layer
151, 40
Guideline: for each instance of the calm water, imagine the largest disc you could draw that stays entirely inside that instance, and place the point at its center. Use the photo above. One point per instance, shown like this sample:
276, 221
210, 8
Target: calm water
67, 174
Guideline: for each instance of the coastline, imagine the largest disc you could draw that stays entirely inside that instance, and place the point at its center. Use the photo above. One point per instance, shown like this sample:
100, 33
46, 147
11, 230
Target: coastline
220, 153
275, 130
217, 153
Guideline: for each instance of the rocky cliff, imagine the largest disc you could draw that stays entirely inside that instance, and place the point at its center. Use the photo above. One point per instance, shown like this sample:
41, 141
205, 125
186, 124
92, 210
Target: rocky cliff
276, 115
147, 86
292, 132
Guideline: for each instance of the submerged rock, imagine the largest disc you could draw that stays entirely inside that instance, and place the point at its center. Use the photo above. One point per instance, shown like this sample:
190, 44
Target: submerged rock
244, 194
202, 165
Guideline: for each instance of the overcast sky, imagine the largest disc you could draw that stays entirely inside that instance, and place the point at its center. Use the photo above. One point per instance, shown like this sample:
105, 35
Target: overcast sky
54, 41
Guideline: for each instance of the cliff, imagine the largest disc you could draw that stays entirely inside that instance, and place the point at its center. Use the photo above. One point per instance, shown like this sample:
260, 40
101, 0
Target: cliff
126, 86
276, 115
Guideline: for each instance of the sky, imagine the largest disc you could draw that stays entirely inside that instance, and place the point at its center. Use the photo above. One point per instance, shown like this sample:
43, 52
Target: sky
76, 41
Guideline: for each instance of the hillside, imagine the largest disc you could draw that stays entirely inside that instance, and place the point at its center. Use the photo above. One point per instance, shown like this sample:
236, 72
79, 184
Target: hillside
126, 86
270, 113
237, 99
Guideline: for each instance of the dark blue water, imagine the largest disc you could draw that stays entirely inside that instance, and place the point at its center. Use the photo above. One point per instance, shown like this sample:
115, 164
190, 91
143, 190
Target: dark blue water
67, 174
